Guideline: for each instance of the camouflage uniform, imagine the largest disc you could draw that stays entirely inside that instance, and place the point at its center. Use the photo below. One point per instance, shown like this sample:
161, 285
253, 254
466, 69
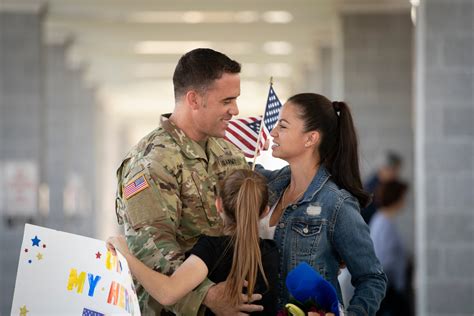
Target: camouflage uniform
173, 202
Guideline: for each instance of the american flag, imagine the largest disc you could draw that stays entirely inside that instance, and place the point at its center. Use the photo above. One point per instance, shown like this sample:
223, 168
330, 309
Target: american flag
135, 186
272, 111
90, 312
243, 132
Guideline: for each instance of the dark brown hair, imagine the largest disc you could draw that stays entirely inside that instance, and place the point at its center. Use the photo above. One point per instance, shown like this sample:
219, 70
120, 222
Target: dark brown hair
199, 68
338, 149
244, 195
390, 192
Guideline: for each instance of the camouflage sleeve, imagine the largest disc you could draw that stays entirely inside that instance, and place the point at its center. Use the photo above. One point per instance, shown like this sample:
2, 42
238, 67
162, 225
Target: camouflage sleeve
151, 215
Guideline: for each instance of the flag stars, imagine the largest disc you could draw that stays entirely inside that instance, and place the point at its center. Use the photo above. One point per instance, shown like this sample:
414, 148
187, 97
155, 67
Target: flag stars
39, 256
36, 241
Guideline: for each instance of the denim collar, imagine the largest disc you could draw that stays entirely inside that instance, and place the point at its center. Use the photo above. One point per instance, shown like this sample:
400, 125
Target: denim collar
279, 184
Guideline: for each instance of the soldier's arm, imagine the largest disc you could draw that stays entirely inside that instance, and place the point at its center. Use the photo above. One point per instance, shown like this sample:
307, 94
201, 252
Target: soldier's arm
153, 215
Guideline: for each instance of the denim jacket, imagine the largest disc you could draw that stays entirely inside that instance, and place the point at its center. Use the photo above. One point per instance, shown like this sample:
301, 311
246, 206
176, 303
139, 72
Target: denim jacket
325, 228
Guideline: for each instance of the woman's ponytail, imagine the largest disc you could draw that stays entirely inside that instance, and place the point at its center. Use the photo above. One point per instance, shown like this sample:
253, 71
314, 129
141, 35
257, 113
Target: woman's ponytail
344, 165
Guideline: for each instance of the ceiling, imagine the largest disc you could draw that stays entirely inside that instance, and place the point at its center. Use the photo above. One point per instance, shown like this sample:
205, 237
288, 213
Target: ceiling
128, 49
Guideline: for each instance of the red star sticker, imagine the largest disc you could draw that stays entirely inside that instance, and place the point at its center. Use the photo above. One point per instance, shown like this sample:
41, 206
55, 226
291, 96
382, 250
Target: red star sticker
26, 249
97, 255
44, 246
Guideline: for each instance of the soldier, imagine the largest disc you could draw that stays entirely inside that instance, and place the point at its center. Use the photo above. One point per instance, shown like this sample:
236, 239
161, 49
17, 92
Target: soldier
166, 183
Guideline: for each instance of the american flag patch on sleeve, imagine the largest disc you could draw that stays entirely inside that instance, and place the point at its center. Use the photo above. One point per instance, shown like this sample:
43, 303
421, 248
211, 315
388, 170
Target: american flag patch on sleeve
135, 186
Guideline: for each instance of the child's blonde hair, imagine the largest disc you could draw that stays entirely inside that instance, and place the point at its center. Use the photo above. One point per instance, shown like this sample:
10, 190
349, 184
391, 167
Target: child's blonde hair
244, 194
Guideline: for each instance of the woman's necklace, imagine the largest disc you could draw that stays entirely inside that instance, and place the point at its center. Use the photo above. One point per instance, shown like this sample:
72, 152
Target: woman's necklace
285, 203
280, 207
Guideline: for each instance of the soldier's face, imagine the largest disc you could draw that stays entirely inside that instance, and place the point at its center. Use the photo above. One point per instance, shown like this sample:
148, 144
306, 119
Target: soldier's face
219, 104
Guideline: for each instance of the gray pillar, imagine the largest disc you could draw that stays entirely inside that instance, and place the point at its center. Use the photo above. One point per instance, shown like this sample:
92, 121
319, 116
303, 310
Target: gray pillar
327, 72
378, 87
71, 145
59, 114
21, 127
80, 179
445, 157
318, 76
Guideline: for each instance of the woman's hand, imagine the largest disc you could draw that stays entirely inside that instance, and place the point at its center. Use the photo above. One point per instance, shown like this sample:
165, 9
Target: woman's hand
118, 243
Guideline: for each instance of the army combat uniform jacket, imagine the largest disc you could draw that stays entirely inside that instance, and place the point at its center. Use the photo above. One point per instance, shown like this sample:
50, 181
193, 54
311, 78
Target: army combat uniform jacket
165, 200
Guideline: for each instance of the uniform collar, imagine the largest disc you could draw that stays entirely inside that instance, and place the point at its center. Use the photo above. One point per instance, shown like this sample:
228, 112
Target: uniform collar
189, 147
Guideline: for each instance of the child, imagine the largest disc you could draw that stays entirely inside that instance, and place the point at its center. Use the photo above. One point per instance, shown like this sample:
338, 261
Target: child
238, 256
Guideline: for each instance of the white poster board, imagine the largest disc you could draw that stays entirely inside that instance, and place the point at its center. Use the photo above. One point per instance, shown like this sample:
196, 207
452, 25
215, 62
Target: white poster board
66, 274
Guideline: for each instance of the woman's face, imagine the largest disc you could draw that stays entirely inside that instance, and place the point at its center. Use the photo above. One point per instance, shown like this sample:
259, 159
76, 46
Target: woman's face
289, 138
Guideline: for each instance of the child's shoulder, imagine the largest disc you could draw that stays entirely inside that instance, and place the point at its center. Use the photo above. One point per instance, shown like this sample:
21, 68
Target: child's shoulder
214, 240
268, 245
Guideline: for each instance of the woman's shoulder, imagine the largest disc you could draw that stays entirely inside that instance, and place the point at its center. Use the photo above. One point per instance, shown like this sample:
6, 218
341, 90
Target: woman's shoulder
273, 175
335, 191
332, 199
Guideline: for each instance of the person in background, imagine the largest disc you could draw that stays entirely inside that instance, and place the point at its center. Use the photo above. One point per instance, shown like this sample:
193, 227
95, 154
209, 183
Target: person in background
389, 170
389, 247
315, 206
237, 256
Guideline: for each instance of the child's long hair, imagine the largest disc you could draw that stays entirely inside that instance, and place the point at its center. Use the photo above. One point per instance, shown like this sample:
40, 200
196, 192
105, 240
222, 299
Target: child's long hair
244, 195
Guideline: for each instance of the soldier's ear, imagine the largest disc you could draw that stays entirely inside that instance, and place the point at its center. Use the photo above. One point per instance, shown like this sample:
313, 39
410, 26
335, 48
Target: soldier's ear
219, 205
193, 98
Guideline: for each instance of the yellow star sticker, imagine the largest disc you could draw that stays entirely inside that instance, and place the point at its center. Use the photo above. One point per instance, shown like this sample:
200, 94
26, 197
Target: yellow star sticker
23, 310
39, 256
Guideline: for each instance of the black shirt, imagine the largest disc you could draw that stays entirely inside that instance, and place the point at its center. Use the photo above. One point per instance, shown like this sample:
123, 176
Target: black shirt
217, 254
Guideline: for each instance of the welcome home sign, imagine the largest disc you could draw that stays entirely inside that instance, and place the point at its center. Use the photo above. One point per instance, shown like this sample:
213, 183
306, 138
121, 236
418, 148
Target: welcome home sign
66, 274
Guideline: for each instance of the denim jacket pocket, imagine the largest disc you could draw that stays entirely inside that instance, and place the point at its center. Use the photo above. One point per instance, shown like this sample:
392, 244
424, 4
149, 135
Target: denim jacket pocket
305, 237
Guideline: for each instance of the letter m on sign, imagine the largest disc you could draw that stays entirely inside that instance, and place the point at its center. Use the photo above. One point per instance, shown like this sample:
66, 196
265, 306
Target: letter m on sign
76, 280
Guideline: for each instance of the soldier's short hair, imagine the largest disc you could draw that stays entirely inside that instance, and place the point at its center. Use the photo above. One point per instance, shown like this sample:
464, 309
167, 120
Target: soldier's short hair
199, 68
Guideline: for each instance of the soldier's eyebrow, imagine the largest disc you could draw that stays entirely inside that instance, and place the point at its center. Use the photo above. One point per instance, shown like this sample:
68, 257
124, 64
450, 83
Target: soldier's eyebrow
229, 99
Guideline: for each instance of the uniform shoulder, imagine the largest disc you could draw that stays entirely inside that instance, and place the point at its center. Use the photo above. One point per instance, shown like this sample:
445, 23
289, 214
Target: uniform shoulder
156, 150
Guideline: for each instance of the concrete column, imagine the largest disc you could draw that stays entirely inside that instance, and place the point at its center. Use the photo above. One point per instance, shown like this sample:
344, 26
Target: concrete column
59, 113
21, 127
79, 190
318, 76
71, 147
445, 157
378, 87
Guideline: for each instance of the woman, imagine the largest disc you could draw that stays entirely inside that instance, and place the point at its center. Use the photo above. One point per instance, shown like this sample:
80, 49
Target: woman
238, 256
315, 216
388, 245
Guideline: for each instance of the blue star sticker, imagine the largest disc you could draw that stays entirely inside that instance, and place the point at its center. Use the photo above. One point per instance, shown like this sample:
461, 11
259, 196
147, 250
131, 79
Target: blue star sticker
36, 241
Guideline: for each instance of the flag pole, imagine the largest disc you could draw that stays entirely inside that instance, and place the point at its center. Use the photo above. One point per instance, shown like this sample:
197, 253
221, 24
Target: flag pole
260, 134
